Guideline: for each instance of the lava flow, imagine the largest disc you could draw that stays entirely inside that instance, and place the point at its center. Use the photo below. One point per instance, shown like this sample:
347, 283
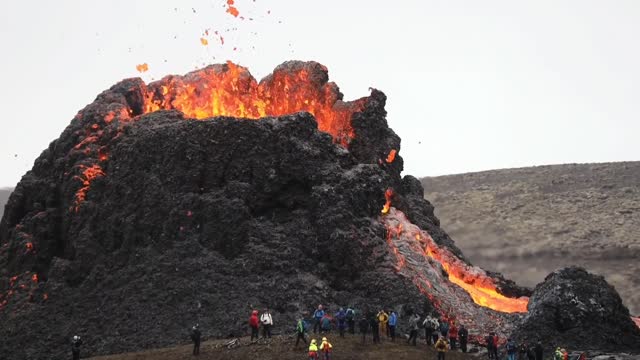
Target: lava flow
230, 90
461, 291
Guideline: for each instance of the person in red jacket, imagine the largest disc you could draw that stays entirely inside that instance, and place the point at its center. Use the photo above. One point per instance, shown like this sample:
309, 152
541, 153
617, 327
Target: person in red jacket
254, 323
453, 335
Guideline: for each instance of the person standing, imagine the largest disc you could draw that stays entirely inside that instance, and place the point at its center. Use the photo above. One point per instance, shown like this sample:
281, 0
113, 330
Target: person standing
492, 348
413, 329
441, 347
301, 329
317, 317
523, 350
325, 349
351, 320
463, 336
393, 321
375, 328
313, 350
364, 327
195, 337
341, 316
444, 329
511, 349
538, 350
427, 324
76, 342
435, 325
325, 323
453, 335
383, 320
254, 324
267, 322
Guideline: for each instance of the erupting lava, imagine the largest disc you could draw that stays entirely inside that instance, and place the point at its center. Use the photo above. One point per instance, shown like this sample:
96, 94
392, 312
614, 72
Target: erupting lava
230, 90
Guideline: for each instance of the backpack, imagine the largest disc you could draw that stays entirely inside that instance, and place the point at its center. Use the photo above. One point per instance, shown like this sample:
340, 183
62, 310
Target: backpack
350, 314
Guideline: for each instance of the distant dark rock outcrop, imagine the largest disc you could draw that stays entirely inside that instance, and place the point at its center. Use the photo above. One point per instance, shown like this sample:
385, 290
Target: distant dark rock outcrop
571, 305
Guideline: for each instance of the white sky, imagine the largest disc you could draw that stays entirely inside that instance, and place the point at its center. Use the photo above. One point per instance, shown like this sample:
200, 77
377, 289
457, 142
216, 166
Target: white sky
471, 85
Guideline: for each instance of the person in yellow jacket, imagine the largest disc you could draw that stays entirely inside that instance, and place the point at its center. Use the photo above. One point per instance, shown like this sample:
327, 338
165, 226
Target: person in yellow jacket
441, 347
325, 349
383, 320
313, 350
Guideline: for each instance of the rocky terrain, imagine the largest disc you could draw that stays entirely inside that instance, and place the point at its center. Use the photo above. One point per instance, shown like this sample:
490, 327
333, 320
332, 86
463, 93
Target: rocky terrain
527, 222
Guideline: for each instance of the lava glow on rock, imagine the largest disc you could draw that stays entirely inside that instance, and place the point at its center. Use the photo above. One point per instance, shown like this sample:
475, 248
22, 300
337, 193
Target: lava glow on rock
230, 90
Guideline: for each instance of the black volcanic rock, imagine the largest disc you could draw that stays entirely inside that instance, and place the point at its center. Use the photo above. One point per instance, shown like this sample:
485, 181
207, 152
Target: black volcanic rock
578, 310
187, 221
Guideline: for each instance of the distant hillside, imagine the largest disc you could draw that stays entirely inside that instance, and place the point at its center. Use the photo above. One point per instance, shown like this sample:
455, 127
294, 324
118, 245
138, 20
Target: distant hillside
4, 196
527, 222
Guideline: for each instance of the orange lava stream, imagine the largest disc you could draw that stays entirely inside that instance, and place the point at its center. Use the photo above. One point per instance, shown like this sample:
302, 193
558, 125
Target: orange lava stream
230, 90
473, 280
387, 205
480, 287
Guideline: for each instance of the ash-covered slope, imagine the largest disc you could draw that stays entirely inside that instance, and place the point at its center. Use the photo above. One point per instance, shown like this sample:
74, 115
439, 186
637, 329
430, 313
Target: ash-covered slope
131, 228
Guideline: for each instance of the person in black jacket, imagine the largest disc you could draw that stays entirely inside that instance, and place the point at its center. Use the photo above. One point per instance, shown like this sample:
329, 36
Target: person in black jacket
364, 327
195, 337
375, 327
538, 350
75, 347
463, 334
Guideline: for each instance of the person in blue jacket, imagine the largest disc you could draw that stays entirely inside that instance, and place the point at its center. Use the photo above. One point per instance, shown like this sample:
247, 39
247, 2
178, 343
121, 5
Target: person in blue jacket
341, 316
393, 321
317, 318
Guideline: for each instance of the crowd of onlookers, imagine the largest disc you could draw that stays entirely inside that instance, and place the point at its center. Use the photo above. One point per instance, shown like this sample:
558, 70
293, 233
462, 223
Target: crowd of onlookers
441, 333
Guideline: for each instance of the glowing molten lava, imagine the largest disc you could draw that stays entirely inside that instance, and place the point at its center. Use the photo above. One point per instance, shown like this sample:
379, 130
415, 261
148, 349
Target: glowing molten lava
230, 90
387, 205
391, 156
475, 281
88, 175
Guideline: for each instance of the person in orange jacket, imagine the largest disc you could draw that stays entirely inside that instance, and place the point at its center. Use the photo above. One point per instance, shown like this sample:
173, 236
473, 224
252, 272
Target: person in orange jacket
441, 347
383, 320
325, 349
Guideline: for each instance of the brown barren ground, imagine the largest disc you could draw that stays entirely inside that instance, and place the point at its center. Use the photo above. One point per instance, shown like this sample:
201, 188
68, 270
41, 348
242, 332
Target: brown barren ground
282, 348
528, 222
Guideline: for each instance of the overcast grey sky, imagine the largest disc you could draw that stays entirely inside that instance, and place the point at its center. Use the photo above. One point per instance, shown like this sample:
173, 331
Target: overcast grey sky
471, 84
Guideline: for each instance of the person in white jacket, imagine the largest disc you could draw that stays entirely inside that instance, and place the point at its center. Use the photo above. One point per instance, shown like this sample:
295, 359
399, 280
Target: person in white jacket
267, 323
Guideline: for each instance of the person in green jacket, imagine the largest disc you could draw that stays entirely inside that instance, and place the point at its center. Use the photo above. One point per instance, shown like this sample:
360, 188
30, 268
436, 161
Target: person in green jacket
301, 329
